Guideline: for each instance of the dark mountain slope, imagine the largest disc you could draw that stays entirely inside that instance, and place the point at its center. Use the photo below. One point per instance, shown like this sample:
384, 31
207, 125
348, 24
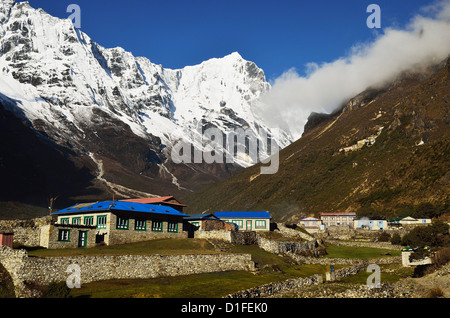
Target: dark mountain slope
406, 168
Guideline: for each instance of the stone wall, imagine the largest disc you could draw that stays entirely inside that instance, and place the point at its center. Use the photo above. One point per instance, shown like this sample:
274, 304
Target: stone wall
276, 247
117, 236
25, 270
382, 245
271, 289
312, 247
300, 259
26, 232
214, 235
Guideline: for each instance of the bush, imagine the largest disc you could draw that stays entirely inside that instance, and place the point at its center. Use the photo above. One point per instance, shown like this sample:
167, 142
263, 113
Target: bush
436, 292
442, 257
396, 239
435, 234
384, 237
57, 290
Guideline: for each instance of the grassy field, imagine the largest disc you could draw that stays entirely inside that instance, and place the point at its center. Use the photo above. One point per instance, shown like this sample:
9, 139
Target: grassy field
162, 247
211, 285
353, 252
272, 268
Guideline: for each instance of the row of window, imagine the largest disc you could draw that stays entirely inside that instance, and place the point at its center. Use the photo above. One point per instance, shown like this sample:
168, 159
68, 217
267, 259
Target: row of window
87, 220
122, 223
259, 224
141, 225
343, 218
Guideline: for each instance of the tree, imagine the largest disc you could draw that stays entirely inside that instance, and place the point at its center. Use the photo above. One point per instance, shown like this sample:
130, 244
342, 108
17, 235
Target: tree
396, 239
435, 234
384, 237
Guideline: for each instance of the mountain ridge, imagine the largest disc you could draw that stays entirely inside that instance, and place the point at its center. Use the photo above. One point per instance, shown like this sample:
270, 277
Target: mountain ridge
383, 153
105, 105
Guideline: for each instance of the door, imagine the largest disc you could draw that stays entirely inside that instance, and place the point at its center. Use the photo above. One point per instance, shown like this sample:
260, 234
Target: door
82, 238
249, 225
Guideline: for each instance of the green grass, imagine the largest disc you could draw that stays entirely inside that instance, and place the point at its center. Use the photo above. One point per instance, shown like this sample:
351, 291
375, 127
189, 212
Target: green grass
272, 267
358, 252
209, 285
389, 273
162, 246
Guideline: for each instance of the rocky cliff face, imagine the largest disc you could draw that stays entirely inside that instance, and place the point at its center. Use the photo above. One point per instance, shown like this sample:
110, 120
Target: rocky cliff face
124, 111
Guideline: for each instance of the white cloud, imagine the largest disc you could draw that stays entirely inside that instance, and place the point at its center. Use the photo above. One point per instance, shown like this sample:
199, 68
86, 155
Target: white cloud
426, 40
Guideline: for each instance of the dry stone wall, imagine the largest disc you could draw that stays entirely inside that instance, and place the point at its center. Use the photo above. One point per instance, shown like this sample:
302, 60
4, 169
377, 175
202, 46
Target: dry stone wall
272, 289
25, 270
26, 232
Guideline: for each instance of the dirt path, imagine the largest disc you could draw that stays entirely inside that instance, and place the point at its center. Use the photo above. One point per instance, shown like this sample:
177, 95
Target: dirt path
116, 188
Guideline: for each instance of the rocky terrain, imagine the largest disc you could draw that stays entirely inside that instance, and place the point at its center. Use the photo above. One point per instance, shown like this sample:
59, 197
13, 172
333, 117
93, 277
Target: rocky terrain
107, 120
399, 162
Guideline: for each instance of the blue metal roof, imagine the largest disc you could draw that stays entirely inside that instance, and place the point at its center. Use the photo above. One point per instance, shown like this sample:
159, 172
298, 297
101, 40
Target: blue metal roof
243, 215
120, 206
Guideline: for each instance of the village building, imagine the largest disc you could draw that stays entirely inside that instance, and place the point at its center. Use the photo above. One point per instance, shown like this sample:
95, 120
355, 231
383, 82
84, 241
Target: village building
311, 223
344, 219
415, 221
205, 222
110, 223
408, 220
406, 253
247, 221
169, 201
370, 223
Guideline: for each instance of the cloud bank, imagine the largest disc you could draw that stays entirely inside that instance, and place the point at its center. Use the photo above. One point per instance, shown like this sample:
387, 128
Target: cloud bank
425, 41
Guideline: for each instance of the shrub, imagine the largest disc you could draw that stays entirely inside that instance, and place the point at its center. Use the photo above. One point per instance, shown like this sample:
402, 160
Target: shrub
396, 239
442, 257
436, 292
56, 290
384, 237
435, 234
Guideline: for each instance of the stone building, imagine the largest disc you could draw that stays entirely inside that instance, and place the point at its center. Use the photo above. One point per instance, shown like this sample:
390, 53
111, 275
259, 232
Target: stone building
338, 219
311, 223
370, 223
247, 221
110, 223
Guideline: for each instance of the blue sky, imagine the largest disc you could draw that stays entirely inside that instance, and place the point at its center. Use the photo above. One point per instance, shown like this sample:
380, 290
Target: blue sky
276, 35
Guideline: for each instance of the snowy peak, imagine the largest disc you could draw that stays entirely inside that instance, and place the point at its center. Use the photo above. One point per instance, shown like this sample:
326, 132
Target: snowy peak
67, 85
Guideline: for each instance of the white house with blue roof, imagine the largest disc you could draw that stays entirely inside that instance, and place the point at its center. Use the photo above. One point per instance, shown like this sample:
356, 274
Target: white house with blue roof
248, 220
112, 222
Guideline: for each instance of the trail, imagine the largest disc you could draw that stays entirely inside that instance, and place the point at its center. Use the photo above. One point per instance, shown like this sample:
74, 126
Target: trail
117, 188
163, 168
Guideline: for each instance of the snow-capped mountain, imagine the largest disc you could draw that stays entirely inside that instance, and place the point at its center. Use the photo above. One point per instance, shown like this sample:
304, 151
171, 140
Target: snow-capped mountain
80, 94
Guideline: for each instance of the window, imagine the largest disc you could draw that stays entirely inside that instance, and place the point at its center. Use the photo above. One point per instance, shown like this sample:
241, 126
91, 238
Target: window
172, 227
88, 220
239, 223
261, 224
64, 235
101, 222
157, 226
76, 221
122, 223
64, 221
140, 225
